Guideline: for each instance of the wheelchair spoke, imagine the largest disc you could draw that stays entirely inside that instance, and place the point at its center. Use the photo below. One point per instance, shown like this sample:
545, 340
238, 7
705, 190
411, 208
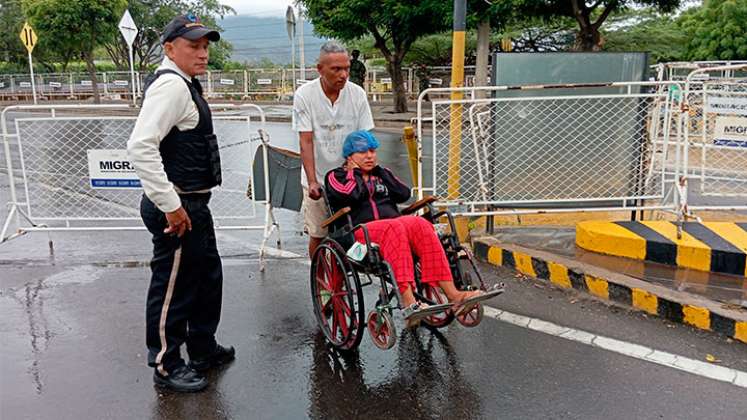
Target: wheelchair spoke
346, 308
327, 288
333, 331
343, 324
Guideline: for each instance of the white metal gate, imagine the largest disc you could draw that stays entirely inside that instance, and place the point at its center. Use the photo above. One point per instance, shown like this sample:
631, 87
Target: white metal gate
716, 132
46, 154
563, 148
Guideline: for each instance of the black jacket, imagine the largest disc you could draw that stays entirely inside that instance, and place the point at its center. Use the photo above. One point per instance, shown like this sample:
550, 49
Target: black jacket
372, 200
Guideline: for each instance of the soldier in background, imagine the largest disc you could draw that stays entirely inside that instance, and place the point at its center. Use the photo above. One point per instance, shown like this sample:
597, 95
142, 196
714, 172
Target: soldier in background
424, 76
357, 69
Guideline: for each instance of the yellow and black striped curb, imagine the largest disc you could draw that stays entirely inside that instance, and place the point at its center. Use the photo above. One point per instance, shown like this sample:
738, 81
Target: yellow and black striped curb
657, 300
719, 247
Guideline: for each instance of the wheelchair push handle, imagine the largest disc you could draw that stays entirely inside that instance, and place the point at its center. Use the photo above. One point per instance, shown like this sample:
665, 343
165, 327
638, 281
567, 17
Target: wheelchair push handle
412, 208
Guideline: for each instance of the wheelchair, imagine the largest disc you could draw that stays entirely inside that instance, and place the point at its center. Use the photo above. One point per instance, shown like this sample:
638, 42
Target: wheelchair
336, 286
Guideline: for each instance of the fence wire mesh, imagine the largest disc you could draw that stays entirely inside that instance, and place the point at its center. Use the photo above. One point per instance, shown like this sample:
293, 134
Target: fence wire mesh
53, 163
718, 138
550, 149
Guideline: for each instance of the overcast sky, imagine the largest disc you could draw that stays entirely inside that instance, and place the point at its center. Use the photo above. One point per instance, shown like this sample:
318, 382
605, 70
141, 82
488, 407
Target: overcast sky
263, 8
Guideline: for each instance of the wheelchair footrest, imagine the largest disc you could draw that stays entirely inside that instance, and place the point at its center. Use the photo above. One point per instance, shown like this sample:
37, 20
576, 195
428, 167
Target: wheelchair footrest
430, 310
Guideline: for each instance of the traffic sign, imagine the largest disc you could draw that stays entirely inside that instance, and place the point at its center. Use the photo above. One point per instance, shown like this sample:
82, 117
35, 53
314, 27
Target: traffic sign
128, 28
28, 37
129, 31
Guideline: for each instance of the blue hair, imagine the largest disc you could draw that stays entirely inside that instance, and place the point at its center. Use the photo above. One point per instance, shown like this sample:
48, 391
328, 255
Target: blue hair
359, 141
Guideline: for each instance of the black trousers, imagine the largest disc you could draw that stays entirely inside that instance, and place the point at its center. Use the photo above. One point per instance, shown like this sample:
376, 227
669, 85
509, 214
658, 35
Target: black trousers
185, 294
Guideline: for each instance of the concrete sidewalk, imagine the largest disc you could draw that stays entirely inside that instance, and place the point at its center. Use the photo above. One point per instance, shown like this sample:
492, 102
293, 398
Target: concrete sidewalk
719, 247
568, 269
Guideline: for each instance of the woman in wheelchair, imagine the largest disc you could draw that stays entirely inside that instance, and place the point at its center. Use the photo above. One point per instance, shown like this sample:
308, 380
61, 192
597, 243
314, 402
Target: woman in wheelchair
372, 193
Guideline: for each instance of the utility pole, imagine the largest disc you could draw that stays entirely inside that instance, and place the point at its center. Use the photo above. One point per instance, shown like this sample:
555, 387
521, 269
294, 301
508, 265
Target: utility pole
290, 25
457, 81
301, 55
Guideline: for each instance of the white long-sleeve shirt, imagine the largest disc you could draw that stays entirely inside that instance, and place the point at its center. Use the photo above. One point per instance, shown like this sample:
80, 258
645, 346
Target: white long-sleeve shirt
167, 104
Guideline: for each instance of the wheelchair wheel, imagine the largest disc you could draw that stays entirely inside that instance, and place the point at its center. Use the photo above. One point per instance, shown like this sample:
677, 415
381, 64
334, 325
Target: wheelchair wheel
381, 329
433, 296
436, 296
337, 296
472, 318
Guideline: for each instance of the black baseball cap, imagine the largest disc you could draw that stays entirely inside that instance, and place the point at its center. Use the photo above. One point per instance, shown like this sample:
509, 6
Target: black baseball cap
188, 26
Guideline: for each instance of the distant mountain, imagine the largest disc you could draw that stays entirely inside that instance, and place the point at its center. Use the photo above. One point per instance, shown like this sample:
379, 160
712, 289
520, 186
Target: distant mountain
255, 38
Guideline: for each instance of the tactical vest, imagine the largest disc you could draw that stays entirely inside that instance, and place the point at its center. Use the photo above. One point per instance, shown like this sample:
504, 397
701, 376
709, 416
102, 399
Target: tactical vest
191, 158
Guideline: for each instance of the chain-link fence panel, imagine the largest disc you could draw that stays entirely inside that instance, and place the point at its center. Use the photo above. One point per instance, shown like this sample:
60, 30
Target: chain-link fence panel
228, 83
7, 83
119, 83
268, 82
55, 85
547, 150
54, 163
718, 138
83, 84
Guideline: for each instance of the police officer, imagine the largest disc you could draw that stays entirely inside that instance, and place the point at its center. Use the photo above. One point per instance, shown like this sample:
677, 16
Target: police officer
175, 154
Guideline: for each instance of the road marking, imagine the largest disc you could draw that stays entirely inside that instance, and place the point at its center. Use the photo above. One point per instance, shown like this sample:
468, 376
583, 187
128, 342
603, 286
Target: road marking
696, 367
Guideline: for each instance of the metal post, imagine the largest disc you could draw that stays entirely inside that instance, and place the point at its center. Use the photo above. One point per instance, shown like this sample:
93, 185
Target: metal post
246, 83
457, 81
293, 63
106, 83
132, 77
33, 83
11, 180
209, 84
301, 55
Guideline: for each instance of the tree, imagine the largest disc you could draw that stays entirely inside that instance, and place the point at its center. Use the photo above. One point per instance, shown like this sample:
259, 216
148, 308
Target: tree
487, 15
717, 31
11, 49
542, 35
394, 24
151, 16
76, 26
590, 15
647, 30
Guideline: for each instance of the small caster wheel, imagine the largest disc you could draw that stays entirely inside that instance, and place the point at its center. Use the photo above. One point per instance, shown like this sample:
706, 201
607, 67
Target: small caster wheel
472, 318
381, 329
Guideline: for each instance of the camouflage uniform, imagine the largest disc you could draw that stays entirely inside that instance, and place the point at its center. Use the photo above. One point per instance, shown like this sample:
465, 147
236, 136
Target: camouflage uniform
357, 72
421, 72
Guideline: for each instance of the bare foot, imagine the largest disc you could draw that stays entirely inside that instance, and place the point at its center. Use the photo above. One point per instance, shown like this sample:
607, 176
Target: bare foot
408, 298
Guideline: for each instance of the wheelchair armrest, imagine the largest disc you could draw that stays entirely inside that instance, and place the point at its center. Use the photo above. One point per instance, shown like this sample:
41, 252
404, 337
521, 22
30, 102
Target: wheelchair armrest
338, 214
412, 208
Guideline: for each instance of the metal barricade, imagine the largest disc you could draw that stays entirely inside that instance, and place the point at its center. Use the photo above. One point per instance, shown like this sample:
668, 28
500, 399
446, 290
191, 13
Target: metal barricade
536, 149
48, 151
119, 83
55, 86
228, 83
267, 82
715, 126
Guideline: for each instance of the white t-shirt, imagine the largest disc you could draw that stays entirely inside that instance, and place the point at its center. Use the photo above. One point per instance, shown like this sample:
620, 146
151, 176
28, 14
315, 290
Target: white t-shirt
330, 124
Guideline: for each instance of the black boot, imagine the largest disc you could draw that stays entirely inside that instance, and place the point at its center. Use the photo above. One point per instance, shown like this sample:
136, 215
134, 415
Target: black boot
220, 356
181, 379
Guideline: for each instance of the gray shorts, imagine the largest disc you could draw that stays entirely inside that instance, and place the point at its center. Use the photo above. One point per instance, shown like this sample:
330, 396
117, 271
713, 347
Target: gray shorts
314, 213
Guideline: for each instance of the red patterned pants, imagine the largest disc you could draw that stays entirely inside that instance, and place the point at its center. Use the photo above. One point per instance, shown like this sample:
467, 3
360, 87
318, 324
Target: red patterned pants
399, 239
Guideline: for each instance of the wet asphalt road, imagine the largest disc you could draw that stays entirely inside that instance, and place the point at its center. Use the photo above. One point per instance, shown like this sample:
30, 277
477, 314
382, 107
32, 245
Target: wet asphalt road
73, 348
